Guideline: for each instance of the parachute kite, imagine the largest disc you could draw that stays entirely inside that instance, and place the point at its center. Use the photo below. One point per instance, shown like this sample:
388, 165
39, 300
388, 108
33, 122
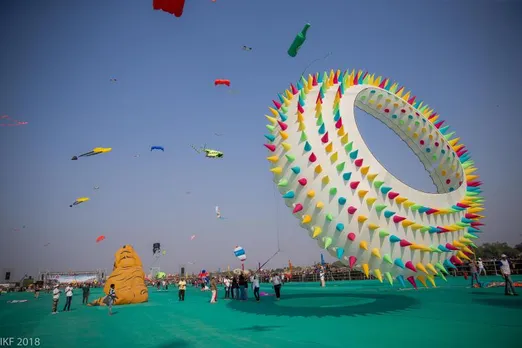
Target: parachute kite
298, 41
222, 82
113, 80
157, 148
246, 48
174, 7
79, 201
95, 151
100, 238
6, 121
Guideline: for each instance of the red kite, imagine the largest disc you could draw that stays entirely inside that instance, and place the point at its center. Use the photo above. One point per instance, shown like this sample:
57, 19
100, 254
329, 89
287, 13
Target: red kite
174, 7
222, 82
100, 238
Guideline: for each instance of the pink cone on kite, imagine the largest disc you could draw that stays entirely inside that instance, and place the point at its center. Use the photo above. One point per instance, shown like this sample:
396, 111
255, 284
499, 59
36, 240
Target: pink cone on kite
451, 247
354, 185
352, 260
314, 80
312, 158
455, 260
277, 104
465, 206
392, 195
319, 100
351, 236
431, 211
294, 90
300, 108
339, 123
352, 210
398, 219
471, 216
283, 125
324, 138
298, 207
409, 265
358, 162
412, 281
271, 147
302, 181
404, 243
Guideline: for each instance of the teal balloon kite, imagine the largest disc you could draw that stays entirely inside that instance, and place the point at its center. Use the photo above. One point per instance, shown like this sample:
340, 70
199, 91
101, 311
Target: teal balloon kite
298, 41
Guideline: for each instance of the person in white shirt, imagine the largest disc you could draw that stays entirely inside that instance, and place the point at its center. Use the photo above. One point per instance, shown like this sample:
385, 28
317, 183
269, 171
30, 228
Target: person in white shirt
227, 284
255, 286
276, 282
68, 298
506, 273
56, 299
321, 277
481, 267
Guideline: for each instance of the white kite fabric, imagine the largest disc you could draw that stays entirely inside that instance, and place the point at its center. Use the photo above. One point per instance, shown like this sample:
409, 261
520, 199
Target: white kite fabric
357, 211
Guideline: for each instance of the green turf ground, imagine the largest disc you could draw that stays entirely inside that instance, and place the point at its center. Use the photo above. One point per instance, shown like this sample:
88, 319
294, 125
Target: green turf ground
353, 314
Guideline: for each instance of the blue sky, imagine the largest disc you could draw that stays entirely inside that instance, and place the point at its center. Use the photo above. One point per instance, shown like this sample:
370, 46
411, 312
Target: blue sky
461, 57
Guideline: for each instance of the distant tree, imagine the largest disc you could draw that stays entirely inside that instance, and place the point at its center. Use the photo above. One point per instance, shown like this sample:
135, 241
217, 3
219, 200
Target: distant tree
495, 249
519, 247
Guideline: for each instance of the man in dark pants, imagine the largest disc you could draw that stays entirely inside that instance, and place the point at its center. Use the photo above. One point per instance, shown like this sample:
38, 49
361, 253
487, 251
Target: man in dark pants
86, 291
182, 286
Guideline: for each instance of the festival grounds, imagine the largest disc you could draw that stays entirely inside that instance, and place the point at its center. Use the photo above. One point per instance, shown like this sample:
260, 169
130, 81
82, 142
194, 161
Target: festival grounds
350, 314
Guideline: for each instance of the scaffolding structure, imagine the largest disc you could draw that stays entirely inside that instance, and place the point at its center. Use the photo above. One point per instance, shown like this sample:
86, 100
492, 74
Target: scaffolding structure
48, 277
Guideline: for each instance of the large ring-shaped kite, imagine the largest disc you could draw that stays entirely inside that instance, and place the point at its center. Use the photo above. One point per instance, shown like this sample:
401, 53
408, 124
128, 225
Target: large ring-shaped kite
347, 200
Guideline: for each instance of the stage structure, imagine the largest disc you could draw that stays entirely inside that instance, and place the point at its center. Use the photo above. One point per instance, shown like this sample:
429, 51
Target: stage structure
355, 209
72, 276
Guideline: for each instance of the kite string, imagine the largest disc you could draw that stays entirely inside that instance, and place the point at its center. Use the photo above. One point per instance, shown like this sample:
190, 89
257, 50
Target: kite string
277, 231
316, 60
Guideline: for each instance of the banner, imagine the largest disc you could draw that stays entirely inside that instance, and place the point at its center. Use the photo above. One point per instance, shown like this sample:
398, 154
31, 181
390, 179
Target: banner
82, 278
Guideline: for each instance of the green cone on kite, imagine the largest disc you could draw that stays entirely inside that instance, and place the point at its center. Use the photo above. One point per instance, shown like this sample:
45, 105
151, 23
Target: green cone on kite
298, 41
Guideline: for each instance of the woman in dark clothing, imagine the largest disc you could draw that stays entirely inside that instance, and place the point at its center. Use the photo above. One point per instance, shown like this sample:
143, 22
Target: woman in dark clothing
235, 288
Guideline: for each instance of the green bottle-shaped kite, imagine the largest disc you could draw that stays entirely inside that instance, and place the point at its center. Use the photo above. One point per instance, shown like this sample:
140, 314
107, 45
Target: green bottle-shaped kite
298, 41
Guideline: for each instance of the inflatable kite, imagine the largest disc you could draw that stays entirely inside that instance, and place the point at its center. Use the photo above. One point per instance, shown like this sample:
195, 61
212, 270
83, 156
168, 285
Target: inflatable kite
80, 201
246, 48
128, 279
100, 238
193, 237
239, 252
345, 198
113, 80
156, 248
161, 148
95, 151
6, 121
222, 82
174, 7
96, 188
298, 41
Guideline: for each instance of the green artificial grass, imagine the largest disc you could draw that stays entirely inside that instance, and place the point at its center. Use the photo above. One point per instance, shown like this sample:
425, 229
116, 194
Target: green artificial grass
354, 314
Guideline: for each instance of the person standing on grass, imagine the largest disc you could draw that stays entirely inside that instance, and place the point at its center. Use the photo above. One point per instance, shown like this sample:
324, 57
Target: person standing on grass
227, 284
56, 299
505, 269
242, 285
68, 298
473, 269
235, 288
111, 298
276, 282
481, 267
213, 288
86, 291
255, 286
36, 291
182, 287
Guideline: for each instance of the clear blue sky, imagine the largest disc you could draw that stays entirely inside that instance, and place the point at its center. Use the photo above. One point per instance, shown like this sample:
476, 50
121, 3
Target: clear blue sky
461, 57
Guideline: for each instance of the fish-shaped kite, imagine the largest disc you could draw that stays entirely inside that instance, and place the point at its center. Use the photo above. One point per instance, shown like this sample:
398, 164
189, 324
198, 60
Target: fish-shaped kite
95, 151
80, 201
6, 121
298, 41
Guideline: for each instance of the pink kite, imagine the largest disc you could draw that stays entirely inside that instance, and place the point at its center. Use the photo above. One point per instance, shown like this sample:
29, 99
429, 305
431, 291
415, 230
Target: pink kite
6, 121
